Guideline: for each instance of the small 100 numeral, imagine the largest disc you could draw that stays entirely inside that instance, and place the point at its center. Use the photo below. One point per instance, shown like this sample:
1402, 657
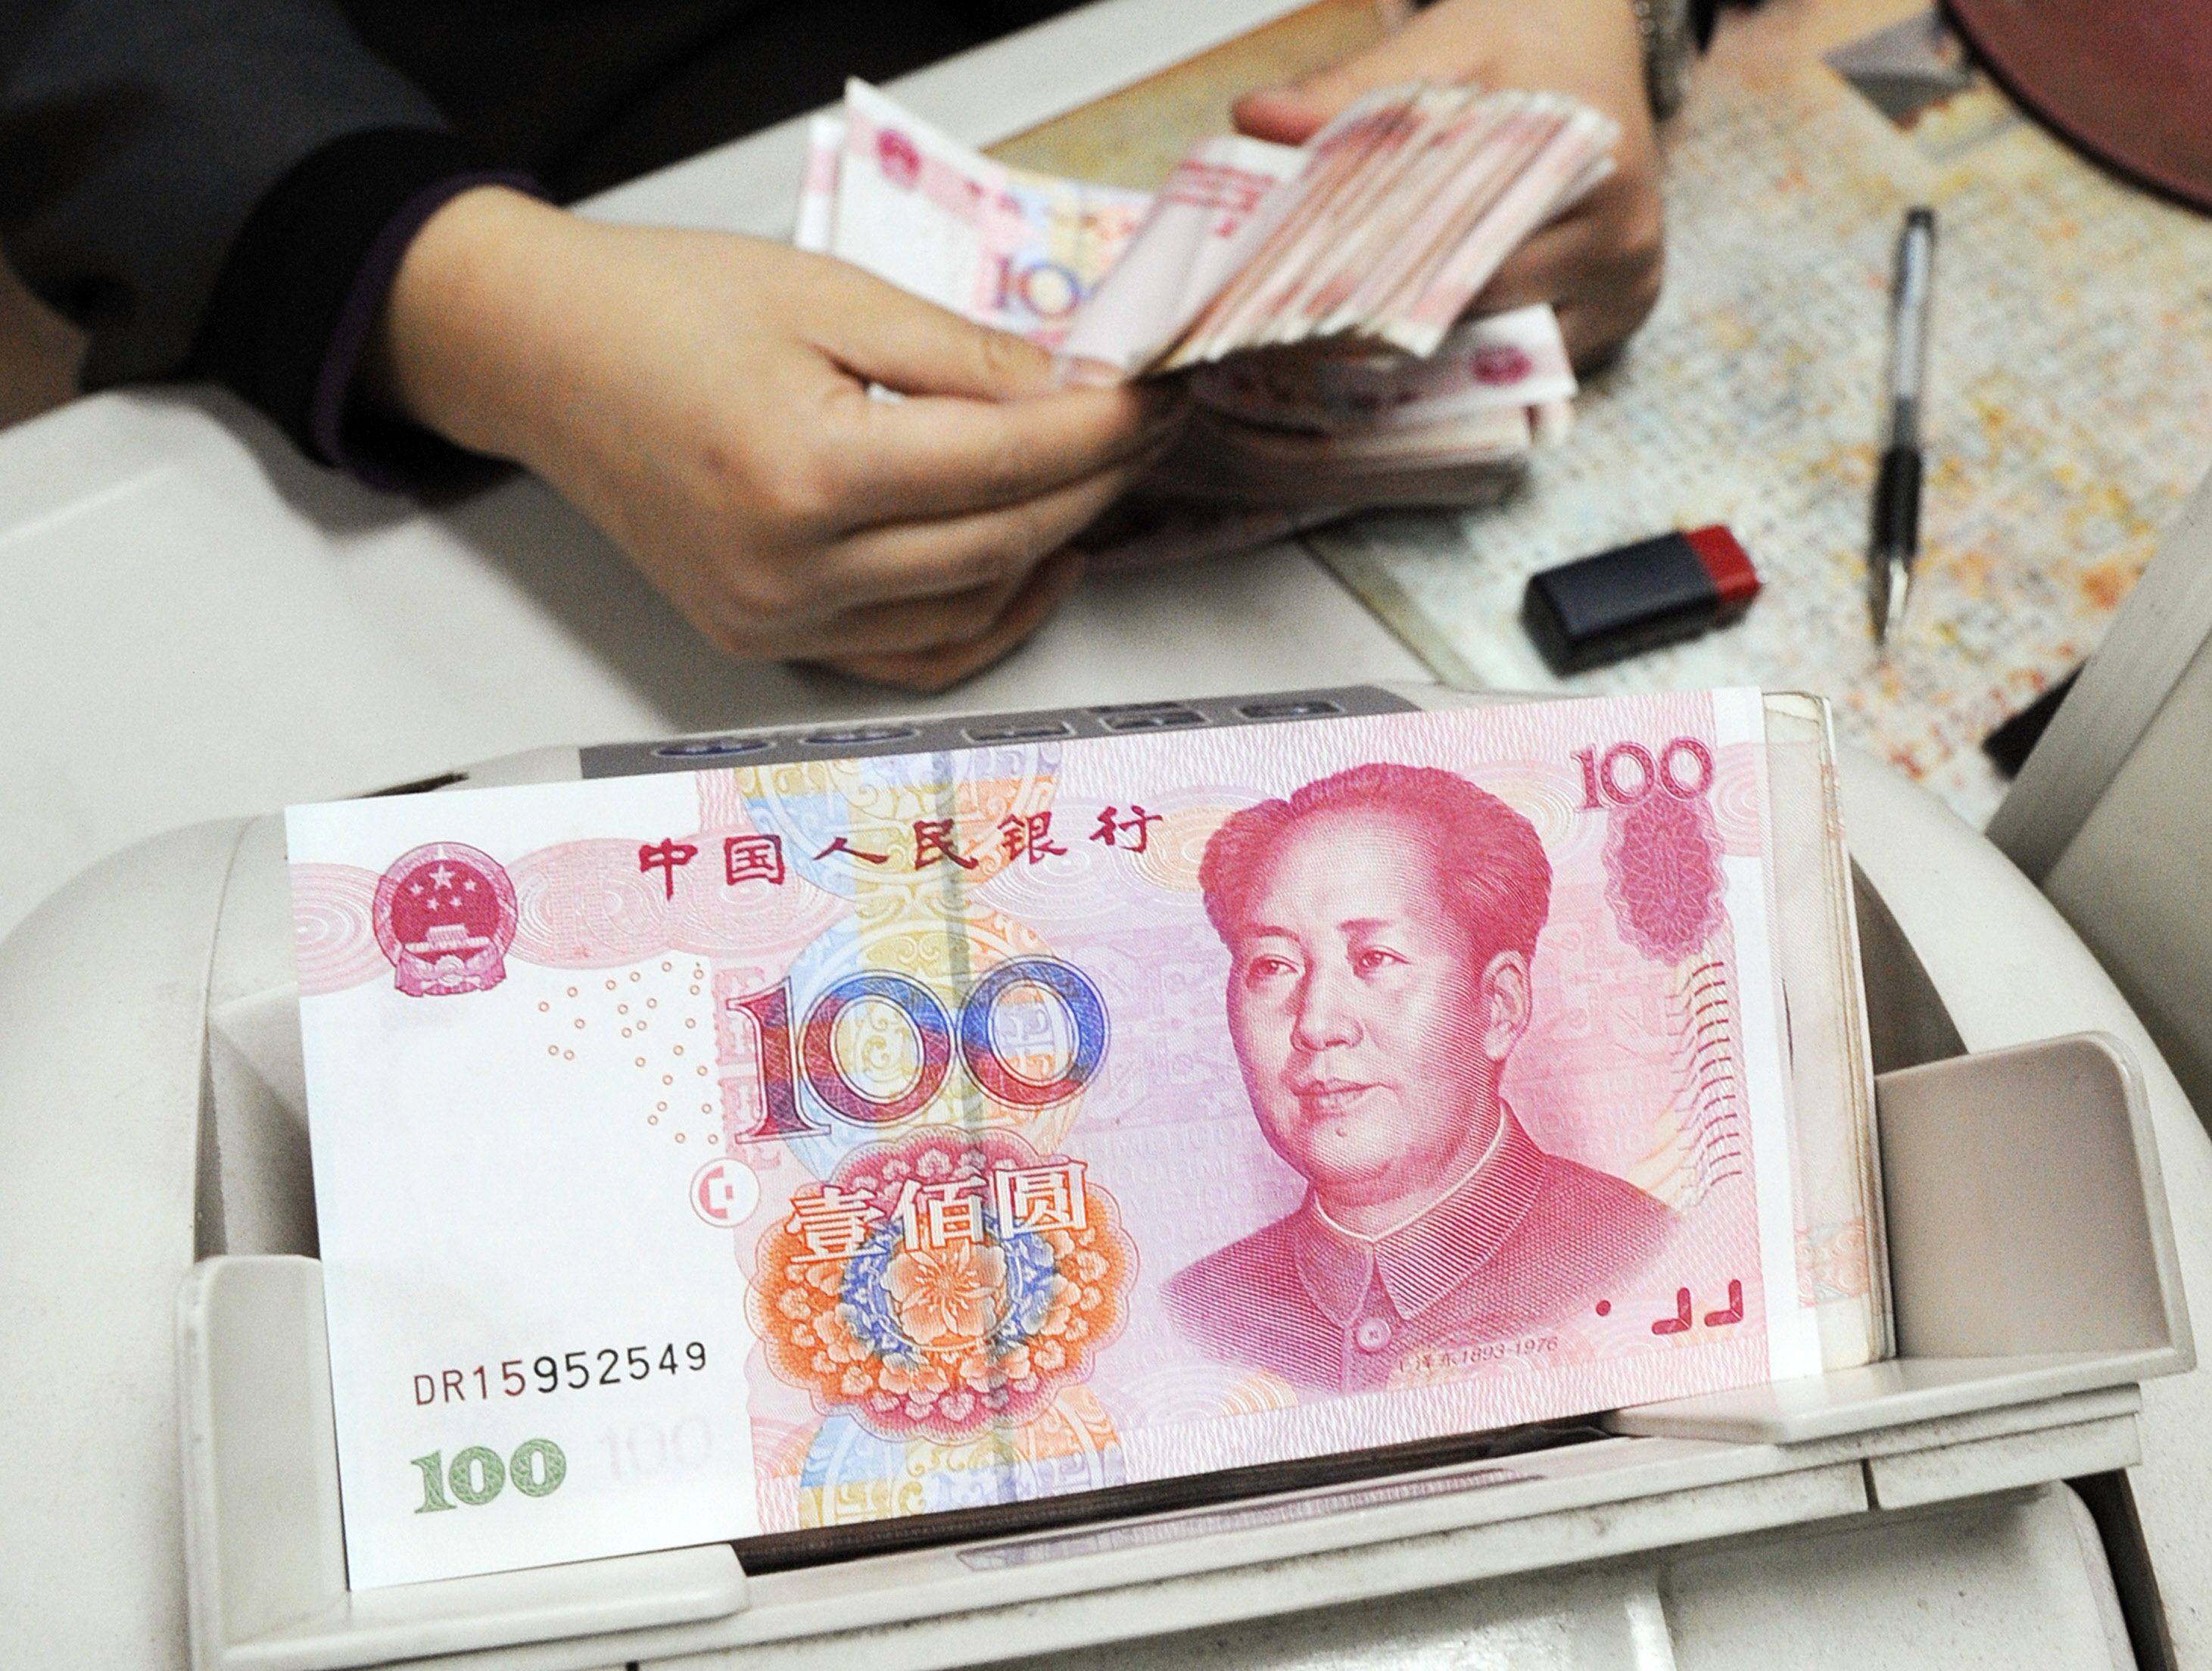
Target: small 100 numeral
477, 1476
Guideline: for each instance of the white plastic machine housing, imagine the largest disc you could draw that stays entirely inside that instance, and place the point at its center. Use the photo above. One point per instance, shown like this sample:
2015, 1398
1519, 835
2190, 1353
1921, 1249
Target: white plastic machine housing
2034, 1270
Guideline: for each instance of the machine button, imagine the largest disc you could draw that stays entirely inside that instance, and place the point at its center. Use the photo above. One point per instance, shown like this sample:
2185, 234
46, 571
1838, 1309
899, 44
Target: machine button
711, 748
1162, 719
853, 737
1019, 730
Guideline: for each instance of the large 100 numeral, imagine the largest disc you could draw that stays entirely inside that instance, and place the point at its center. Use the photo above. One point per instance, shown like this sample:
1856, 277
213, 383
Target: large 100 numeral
810, 1057
1684, 769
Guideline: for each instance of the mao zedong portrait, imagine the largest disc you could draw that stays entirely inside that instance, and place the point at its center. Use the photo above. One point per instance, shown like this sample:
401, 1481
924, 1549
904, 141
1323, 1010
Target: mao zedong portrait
1379, 925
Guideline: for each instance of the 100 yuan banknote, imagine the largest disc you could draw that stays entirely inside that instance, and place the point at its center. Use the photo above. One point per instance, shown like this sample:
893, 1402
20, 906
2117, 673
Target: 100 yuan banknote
1008, 248
755, 1148
1033, 253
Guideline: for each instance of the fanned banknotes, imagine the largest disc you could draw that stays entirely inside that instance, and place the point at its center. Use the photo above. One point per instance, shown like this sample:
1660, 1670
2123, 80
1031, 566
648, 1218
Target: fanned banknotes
1314, 292
836, 1138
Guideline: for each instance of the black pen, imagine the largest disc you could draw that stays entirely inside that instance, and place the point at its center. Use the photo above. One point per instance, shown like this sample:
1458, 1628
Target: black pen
1895, 542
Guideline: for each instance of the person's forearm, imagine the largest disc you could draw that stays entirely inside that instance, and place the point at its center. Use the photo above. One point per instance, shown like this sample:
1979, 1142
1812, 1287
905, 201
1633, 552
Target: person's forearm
461, 346
304, 284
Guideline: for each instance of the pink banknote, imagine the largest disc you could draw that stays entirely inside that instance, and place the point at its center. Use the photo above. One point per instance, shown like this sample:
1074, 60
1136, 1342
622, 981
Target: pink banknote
1219, 204
1296, 252
1041, 1116
1008, 247
1406, 205
1497, 362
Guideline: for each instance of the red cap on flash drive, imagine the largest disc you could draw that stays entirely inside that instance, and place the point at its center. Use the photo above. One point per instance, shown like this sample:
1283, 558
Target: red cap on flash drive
1637, 597
1729, 565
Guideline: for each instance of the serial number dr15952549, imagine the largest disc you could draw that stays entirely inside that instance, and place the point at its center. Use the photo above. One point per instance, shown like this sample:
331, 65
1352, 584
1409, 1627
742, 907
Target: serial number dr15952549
593, 1366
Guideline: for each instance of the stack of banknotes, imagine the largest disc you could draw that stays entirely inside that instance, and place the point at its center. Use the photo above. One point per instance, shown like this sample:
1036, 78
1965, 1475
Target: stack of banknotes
1315, 294
828, 1139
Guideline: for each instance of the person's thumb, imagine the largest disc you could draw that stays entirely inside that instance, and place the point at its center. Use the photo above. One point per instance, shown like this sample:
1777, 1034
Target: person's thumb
885, 336
1435, 45
1293, 114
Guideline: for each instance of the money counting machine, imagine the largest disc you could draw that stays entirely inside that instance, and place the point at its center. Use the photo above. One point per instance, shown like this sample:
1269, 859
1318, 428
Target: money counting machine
169, 1406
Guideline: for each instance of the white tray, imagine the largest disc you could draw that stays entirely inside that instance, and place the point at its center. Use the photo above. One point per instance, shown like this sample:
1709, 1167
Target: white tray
2035, 1281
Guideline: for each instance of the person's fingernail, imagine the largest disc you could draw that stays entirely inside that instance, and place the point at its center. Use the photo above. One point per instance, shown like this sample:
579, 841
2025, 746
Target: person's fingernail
1073, 372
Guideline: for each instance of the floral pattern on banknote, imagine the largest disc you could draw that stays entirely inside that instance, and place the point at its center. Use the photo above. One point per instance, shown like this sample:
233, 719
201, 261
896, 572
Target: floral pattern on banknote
1664, 875
942, 1284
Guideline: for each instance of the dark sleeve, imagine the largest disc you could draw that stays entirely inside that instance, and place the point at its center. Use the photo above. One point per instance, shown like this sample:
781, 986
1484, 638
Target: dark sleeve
215, 187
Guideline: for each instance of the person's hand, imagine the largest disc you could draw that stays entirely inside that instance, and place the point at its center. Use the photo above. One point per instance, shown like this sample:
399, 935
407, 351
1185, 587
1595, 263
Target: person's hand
1599, 265
703, 398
